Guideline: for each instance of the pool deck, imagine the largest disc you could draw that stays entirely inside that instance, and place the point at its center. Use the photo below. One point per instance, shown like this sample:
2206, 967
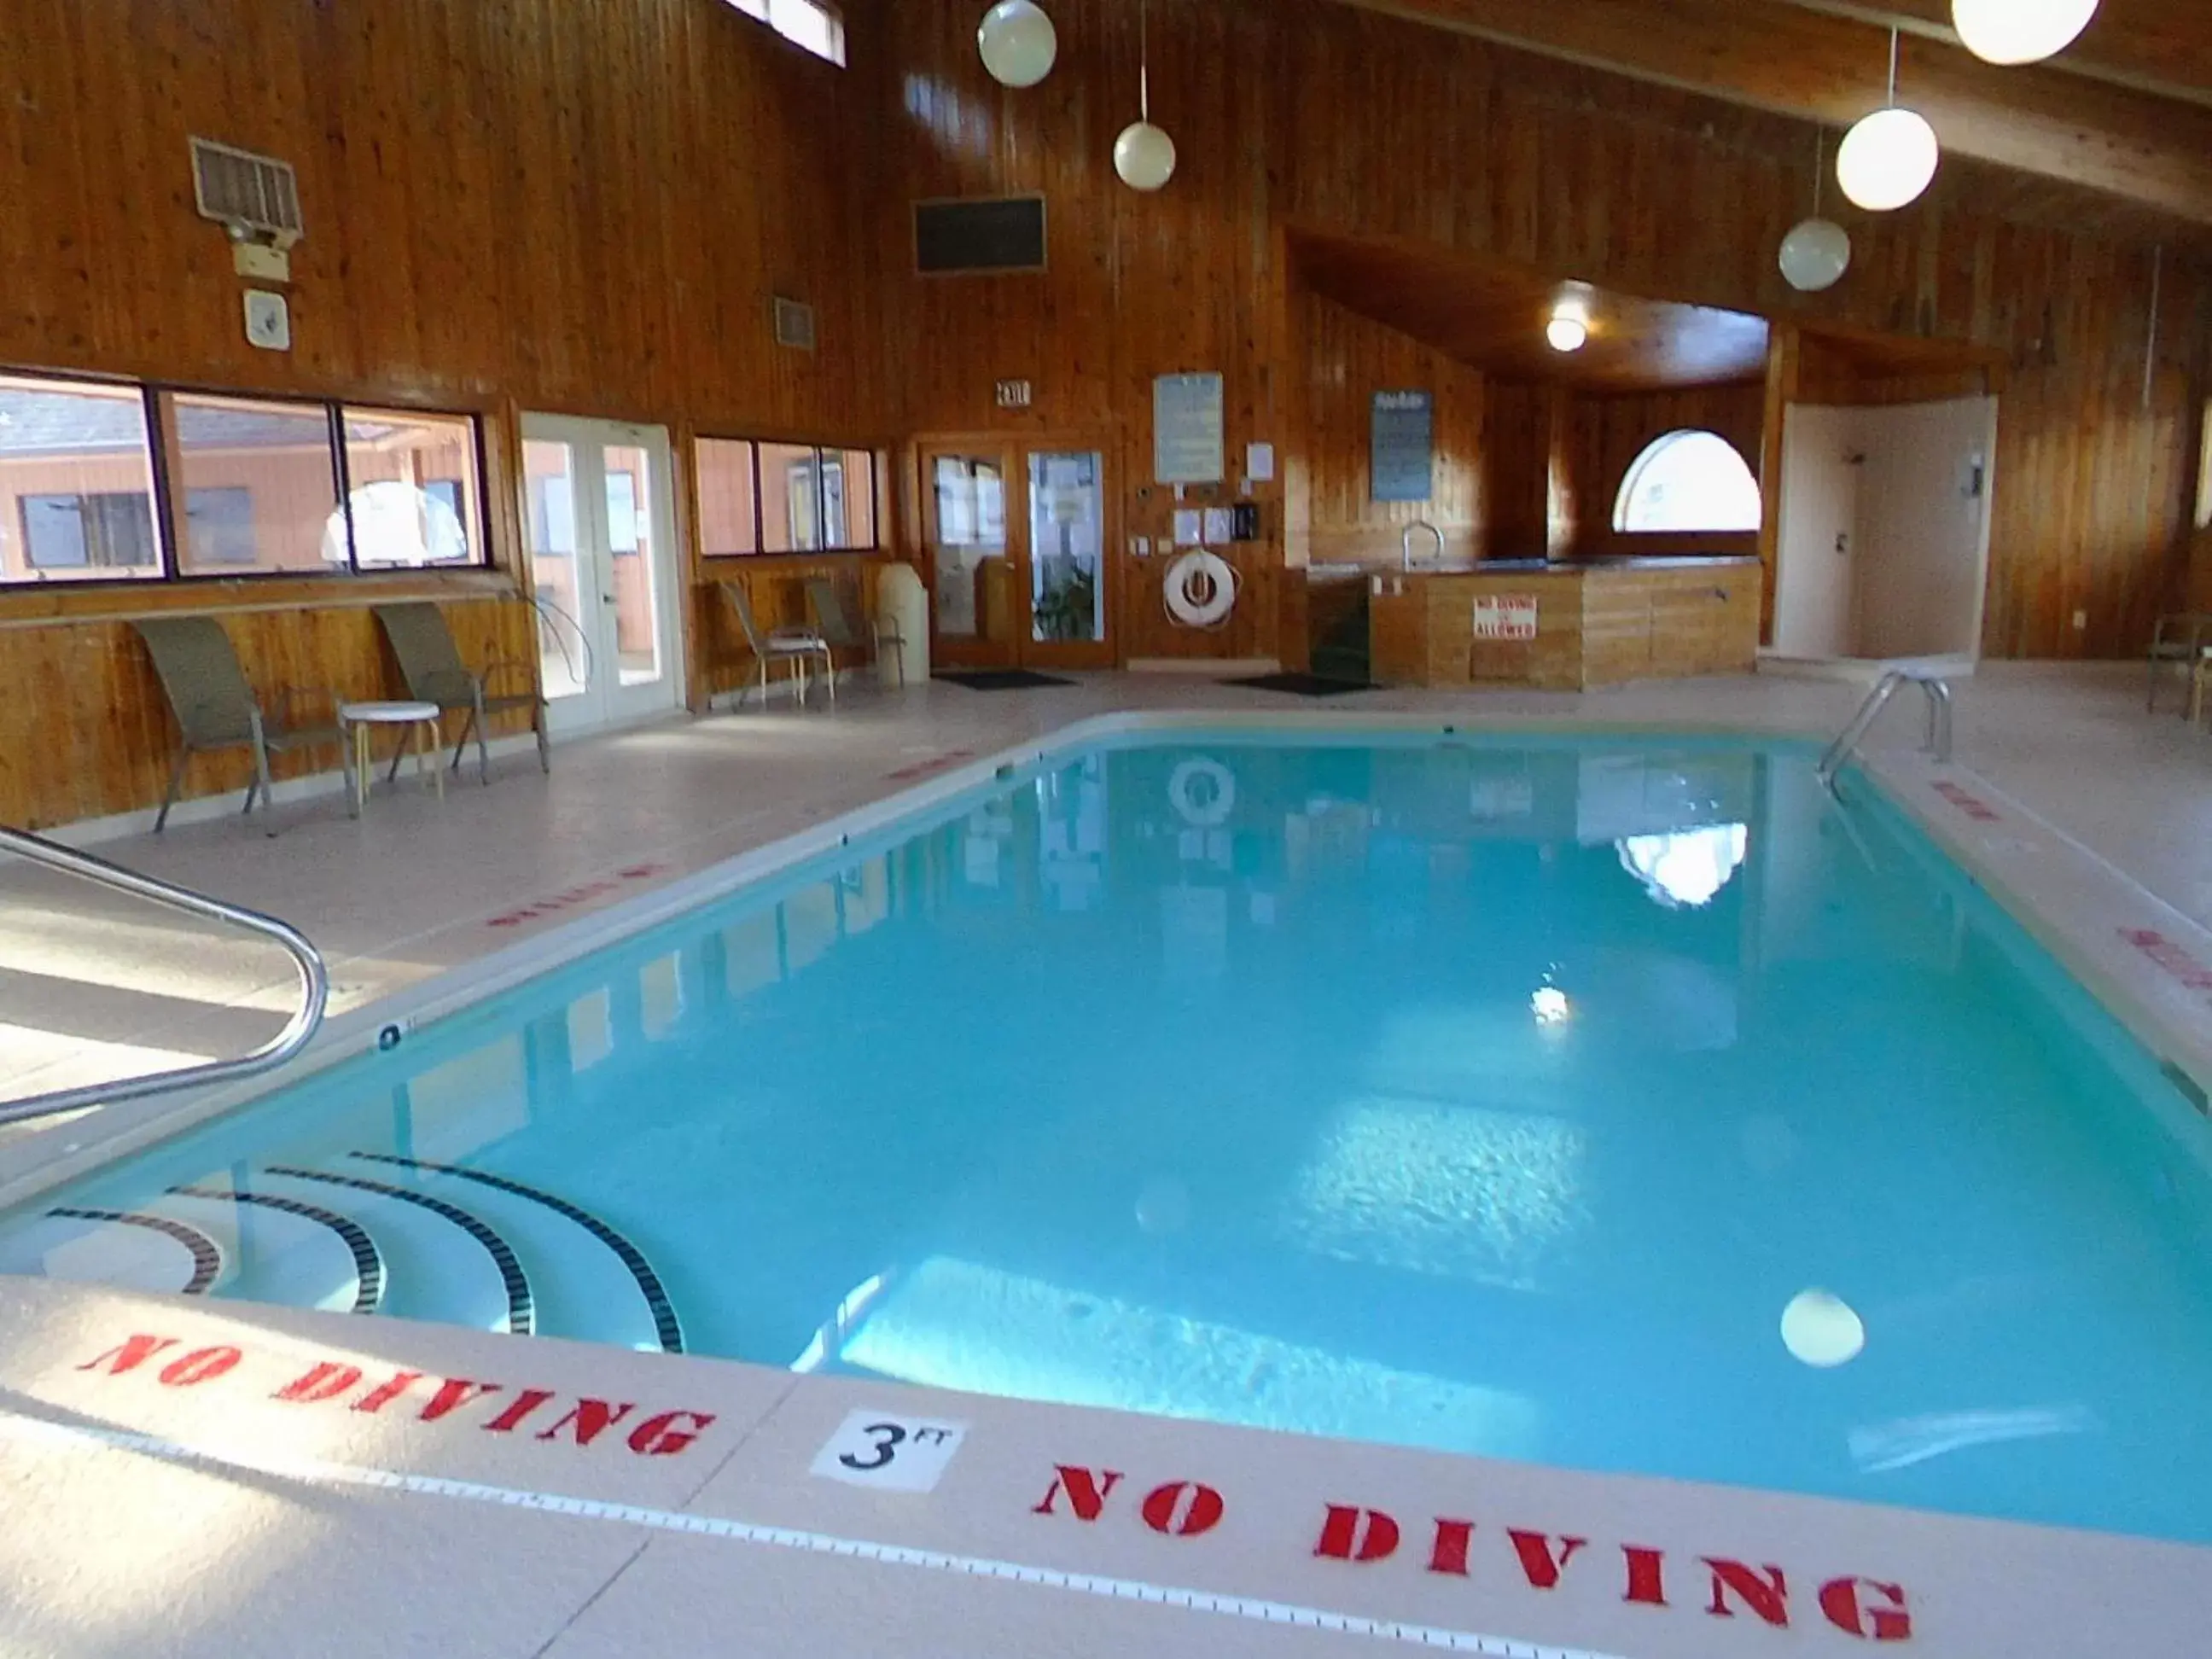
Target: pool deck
184, 1477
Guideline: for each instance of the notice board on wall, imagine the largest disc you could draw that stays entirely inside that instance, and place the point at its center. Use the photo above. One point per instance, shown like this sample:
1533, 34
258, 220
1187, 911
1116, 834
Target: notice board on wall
1402, 447
1189, 442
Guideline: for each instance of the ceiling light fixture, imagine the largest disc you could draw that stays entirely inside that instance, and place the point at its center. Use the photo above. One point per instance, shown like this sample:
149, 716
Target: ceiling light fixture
1018, 43
2020, 31
1569, 329
1144, 155
1888, 159
1817, 252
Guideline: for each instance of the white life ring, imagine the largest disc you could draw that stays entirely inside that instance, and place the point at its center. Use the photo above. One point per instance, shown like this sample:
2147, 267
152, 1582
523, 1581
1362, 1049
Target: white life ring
1203, 792
1201, 589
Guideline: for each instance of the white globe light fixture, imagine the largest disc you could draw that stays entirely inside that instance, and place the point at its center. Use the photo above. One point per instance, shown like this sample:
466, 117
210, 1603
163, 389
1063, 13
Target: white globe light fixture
1144, 155
1817, 252
1569, 329
1018, 43
1888, 159
2020, 31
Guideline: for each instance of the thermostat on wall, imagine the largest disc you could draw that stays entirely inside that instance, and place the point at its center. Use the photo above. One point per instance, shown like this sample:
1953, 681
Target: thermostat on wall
268, 320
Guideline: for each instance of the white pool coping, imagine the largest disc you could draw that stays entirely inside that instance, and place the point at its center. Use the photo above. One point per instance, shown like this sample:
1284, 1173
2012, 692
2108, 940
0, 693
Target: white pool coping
1016, 1574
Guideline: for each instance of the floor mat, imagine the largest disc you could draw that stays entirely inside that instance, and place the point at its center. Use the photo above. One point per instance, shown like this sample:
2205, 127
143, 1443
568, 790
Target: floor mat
1303, 685
1001, 679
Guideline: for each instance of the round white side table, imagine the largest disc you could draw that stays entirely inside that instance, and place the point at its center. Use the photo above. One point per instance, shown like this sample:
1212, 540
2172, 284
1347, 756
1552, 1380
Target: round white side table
358, 718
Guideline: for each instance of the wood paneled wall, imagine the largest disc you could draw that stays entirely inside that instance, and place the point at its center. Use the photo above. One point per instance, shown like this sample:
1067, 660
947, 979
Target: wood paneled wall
85, 730
585, 205
1527, 431
1298, 112
572, 205
1347, 360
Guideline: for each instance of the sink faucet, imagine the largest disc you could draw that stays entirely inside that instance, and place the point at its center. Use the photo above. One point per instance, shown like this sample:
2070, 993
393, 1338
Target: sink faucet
1405, 542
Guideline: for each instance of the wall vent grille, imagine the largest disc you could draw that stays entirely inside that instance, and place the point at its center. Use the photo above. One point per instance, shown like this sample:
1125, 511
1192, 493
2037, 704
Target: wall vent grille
794, 323
258, 194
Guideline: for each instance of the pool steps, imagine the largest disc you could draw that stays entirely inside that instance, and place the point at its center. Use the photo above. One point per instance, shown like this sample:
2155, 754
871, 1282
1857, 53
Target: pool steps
369, 1233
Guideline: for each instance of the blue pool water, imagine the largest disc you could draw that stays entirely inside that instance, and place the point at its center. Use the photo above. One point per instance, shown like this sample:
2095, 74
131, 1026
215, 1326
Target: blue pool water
1494, 1095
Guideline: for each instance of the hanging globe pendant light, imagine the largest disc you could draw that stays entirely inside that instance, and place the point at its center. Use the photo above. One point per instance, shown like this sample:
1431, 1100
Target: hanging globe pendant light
1018, 43
1144, 155
2020, 31
1889, 159
1817, 252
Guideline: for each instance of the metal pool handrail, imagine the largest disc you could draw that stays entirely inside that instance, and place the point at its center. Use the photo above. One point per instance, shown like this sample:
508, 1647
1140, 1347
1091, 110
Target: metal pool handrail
298, 1032
1938, 737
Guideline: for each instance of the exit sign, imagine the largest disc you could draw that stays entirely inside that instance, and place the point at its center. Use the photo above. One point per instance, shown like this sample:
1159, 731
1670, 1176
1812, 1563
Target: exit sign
1014, 394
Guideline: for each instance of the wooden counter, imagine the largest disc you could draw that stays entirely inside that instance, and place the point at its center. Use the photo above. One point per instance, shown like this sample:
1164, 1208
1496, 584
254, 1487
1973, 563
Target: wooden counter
1604, 623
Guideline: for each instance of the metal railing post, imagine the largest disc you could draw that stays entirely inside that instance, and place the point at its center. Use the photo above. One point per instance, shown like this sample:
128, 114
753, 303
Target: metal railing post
298, 1032
1936, 729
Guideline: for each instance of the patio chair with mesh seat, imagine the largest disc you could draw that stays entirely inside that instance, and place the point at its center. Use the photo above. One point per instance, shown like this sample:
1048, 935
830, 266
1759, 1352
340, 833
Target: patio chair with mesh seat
2182, 639
841, 630
431, 665
215, 708
795, 645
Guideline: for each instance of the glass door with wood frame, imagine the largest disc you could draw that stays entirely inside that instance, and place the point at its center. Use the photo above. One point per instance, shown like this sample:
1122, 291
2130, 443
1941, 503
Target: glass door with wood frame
604, 577
1018, 538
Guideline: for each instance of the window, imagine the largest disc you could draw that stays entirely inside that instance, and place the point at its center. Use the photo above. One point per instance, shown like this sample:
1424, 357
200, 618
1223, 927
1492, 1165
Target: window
253, 485
784, 498
813, 24
76, 483
82, 532
729, 520
279, 453
407, 487
791, 502
1688, 481
219, 524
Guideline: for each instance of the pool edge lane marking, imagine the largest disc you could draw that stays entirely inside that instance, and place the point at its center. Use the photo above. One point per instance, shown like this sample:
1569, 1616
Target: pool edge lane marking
1219, 1604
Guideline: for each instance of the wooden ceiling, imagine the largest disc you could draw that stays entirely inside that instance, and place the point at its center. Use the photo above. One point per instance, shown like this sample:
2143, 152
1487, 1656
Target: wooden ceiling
1491, 313
2126, 111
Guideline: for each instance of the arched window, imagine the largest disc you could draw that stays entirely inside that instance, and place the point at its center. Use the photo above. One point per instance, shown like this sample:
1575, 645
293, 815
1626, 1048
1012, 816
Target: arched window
1688, 481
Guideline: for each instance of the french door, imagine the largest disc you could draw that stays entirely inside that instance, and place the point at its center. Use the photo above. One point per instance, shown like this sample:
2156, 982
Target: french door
1018, 535
604, 569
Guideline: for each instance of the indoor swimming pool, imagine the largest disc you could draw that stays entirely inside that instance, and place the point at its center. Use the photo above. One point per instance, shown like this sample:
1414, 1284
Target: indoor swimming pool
1625, 1104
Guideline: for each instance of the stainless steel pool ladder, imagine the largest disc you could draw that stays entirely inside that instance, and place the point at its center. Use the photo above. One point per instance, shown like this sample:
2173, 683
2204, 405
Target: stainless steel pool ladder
298, 1032
1937, 693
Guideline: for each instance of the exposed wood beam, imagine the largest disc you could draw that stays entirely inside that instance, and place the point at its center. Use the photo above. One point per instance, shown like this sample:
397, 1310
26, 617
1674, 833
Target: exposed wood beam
2163, 47
1820, 67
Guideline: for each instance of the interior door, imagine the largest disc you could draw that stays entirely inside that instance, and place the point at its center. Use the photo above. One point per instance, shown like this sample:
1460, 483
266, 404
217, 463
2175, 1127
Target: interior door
966, 501
1018, 537
1063, 556
601, 520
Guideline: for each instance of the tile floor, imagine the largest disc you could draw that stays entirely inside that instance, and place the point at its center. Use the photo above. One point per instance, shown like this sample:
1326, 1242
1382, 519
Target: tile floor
112, 1544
